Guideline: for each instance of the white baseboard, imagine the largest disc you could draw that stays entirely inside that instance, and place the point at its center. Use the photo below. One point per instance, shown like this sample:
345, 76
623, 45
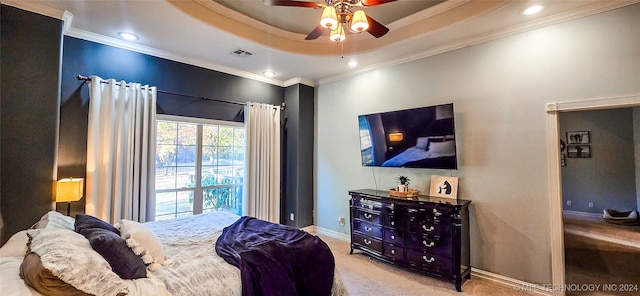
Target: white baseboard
509, 283
583, 214
330, 233
479, 274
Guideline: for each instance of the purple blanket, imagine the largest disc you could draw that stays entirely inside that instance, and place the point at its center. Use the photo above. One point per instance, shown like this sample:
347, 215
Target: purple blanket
276, 259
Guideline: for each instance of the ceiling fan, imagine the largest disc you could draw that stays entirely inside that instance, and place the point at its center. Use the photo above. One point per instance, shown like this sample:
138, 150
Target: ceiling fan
338, 15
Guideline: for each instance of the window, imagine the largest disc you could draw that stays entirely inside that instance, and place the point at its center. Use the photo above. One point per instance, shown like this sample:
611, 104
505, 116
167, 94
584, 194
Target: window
366, 147
199, 166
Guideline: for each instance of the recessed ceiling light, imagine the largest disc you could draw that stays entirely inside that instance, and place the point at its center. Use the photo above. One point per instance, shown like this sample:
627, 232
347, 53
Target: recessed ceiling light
269, 73
533, 10
353, 64
128, 36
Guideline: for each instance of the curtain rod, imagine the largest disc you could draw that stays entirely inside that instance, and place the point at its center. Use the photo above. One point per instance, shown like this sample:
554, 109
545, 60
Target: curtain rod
85, 78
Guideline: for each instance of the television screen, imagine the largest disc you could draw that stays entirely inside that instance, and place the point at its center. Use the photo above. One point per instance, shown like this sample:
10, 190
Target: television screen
413, 138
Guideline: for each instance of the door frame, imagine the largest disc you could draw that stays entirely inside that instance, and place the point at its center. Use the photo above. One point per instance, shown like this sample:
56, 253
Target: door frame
555, 181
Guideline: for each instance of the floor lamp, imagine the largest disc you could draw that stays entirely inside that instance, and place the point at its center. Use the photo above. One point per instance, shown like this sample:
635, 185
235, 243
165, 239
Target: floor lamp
69, 190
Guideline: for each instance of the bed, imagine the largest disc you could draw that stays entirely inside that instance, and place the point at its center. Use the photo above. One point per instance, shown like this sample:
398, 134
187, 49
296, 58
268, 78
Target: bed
429, 152
190, 265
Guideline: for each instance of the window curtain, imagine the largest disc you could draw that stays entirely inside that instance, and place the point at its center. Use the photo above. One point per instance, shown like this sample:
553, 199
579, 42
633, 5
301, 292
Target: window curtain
121, 151
261, 192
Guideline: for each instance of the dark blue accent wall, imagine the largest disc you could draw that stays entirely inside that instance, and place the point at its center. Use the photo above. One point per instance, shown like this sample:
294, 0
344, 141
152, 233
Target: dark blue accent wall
89, 58
30, 49
297, 175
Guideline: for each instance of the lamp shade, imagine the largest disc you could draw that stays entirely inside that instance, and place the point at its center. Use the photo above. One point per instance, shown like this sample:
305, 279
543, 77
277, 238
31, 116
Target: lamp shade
329, 18
69, 189
395, 137
337, 35
359, 22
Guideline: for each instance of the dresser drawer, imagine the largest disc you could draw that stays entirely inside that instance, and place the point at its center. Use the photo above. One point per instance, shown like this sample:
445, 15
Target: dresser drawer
393, 236
394, 252
391, 208
429, 262
393, 221
367, 228
362, 202
422, 243
371, 217
430, 228
367, 242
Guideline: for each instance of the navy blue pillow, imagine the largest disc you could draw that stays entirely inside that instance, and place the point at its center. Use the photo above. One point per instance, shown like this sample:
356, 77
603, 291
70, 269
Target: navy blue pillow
87, 221
124, 262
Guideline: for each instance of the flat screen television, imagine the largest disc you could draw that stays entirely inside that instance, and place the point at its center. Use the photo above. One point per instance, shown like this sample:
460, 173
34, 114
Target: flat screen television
413, 138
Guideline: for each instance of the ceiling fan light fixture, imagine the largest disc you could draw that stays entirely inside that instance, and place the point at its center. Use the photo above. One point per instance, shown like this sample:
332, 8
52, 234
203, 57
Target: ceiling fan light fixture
359, 22
337, 35
329, 18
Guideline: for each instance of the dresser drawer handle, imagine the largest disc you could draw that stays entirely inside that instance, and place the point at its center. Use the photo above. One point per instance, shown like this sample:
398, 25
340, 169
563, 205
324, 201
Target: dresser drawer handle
393, 237
427, 229
393, 223
393, 252
436, 213
427, 245
428, 260
366, 241
368, 216
368, 228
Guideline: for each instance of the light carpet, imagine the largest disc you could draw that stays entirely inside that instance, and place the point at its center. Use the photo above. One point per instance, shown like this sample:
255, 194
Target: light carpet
364, 277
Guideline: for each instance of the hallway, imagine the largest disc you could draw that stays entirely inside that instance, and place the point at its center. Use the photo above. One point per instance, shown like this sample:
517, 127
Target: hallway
597, 252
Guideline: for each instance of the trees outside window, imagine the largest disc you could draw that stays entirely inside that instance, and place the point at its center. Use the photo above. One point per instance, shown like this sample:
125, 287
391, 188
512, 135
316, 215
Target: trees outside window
199, 167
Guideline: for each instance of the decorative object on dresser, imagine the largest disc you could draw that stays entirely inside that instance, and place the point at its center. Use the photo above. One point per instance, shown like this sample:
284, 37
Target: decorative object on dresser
429, 235
404, 184
446, 187
409, 193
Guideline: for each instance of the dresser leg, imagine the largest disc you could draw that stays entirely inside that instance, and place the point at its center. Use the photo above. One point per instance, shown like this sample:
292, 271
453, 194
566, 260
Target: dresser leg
351, 253
459, 285
468, 276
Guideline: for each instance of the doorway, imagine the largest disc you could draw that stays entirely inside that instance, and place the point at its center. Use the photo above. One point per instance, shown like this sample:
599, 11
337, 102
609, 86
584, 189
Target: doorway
554, 165
598, 174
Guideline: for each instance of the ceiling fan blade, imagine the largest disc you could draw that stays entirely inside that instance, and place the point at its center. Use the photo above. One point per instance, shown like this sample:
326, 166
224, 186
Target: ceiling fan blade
315, 33
375, 28
369, 3
293, 3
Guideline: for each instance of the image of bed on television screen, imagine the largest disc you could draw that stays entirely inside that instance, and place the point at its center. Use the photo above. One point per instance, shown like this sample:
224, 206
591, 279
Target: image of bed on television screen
414, 138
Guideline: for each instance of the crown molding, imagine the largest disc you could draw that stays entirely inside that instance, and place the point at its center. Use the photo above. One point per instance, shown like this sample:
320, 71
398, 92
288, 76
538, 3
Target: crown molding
426, 13
67, 17
256, 24
36, 8
587, 10
90, 36
298, 80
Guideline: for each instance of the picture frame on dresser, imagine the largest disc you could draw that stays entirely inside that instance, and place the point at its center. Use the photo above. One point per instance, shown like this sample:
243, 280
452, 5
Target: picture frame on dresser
427, 235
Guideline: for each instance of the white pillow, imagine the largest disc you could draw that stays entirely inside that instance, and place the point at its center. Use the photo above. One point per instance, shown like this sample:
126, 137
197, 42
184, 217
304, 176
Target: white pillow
446, 147
143, 242
53, 219
16, 246
422, 143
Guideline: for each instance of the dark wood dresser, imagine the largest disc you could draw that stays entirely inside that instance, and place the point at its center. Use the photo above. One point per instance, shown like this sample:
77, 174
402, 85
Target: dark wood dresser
425, 234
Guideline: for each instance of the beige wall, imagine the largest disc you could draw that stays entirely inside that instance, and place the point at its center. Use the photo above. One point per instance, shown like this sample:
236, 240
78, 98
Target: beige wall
499, 90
